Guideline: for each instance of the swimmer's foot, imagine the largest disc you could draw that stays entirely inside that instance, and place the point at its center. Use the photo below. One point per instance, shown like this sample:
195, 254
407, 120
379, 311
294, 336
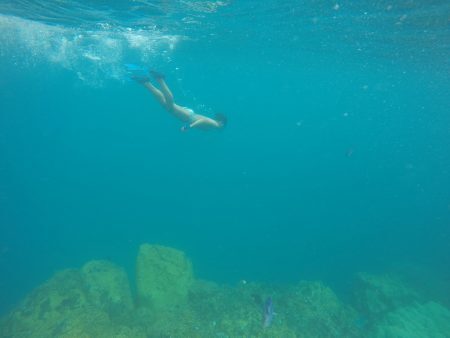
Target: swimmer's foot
140, 78
157, 75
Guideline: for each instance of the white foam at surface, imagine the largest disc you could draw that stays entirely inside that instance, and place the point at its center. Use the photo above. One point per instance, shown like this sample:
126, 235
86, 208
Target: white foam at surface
93, 55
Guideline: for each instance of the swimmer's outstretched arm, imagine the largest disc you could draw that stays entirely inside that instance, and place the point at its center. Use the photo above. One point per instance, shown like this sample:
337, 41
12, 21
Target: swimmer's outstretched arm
199, 123
202, 123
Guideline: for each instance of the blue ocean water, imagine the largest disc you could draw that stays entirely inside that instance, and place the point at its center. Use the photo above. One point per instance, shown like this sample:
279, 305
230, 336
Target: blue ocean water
335, 158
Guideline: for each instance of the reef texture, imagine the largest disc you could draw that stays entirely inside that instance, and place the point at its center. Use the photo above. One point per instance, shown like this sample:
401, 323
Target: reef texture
376, 295
75, 303
95, 301
164, 277
392, 309
429, 320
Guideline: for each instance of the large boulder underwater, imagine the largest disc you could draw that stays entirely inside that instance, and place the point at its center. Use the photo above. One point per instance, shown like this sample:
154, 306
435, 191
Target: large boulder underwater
394, 309
96, 301
163, 277
93, 301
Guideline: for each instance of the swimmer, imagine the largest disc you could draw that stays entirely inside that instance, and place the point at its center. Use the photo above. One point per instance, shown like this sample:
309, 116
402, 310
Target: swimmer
187, 115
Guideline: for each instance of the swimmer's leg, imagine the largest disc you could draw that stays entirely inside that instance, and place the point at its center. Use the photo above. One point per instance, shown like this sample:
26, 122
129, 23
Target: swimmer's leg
156, 92
168, 96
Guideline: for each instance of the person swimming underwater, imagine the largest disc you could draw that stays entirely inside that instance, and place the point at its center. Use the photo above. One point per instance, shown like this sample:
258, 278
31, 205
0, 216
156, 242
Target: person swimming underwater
187, 115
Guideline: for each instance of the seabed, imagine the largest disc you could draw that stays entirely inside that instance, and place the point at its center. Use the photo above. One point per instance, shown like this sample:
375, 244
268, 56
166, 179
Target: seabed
96, 301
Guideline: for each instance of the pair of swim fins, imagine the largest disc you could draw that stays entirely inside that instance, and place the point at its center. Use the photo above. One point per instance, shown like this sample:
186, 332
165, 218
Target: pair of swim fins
140, 74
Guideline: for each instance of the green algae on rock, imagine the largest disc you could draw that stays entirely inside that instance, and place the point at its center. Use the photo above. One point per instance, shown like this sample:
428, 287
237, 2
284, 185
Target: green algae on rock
163, 276
428, 320
394, 309
376, 295
67, 306
108, 287
95, 301
314, 310
308, 309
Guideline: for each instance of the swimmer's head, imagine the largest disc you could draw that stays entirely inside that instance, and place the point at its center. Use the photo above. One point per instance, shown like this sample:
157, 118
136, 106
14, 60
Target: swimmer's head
221, 119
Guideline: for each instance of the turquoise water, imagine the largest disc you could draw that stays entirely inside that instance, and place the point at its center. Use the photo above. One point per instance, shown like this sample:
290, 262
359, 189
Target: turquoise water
335, 159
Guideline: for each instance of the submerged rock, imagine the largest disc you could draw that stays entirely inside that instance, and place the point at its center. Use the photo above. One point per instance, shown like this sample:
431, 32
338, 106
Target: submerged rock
394, 309
308, 309
429, 320
314, 310
107, 287
46, 311
163, 276
75, 303
376, 295
95, 301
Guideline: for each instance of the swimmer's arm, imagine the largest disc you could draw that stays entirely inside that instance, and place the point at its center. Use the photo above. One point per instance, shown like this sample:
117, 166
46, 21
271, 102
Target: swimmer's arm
204, 122
197, 124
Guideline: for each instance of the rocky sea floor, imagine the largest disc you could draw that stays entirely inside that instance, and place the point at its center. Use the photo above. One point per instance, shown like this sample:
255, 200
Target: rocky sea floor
96, 301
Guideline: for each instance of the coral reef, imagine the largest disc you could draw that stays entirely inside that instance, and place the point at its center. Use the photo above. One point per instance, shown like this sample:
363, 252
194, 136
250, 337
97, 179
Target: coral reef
95, 301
